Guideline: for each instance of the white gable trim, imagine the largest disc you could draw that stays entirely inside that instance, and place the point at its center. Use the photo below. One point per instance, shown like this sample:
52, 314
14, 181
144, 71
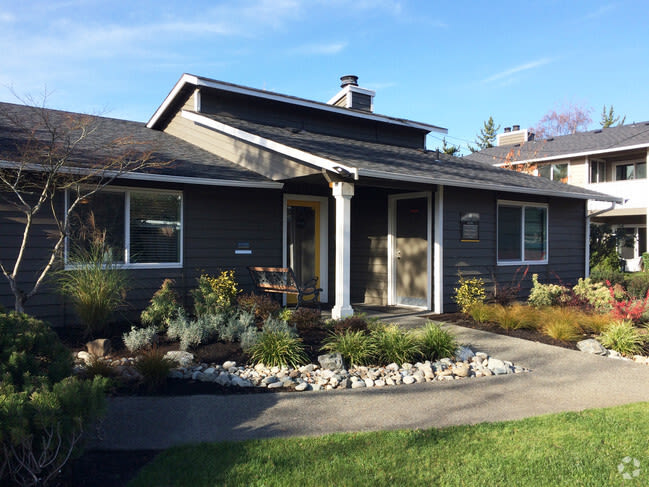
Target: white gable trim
196, 81
269, 144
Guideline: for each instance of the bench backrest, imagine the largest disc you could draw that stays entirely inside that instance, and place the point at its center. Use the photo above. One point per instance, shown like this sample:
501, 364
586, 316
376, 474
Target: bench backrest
274, 278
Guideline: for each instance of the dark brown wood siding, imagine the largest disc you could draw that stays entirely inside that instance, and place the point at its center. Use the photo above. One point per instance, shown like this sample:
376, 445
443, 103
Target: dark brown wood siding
215, 221
566, 242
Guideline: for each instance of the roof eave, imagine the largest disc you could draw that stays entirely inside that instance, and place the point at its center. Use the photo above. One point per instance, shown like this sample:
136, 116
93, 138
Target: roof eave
578, 154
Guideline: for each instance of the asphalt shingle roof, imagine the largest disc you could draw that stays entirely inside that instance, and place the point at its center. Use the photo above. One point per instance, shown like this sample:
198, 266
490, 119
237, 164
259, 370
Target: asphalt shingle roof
430, 166
187, 160
593, 141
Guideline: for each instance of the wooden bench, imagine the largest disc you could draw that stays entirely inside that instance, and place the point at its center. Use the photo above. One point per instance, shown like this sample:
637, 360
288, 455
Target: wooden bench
282, 280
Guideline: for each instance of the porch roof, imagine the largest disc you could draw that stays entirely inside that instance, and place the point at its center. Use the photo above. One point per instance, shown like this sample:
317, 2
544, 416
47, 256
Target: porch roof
374, 160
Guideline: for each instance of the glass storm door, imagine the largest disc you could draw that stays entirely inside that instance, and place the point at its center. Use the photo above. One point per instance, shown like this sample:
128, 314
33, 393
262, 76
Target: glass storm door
303, 240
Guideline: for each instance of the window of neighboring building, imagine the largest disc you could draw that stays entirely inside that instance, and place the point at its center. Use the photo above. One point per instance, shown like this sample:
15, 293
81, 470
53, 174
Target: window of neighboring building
138, 227
555, 172
522, 233
631, 170
597, 171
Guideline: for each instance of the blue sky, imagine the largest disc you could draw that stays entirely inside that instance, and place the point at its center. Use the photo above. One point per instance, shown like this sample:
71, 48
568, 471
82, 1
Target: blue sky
452, 64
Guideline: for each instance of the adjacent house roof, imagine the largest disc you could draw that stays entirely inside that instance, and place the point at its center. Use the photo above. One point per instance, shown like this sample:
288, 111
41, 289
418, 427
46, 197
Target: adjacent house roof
600, 141
374, 160
187, 162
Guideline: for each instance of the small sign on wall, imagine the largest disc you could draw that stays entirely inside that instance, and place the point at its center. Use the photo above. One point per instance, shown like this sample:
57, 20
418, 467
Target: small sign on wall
243, 248
470, 227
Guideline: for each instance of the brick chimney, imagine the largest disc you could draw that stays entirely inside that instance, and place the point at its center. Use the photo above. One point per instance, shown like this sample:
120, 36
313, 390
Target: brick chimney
352, 96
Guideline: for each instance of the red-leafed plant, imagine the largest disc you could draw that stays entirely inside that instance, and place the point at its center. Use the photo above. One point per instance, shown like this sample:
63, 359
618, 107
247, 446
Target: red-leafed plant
628, 307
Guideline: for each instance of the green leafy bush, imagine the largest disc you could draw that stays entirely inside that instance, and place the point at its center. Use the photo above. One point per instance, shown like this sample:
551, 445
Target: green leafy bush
395, 345
355, 346
43, 413
545, 294
96, 286
262, 306
469, 292
436, 342
154, 368
278, 349
637, 284
162, 308
140, 338
606, 274
31, 352
215, 294
595, 293
623, 337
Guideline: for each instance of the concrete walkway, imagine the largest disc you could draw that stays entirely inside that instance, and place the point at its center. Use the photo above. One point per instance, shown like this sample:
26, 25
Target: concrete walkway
561, 380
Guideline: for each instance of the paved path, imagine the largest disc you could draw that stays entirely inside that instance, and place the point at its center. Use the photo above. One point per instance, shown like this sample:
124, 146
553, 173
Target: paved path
561, 380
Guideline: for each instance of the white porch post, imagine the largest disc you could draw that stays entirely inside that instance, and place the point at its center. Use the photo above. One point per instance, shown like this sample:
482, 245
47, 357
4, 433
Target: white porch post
343, 193
438, 262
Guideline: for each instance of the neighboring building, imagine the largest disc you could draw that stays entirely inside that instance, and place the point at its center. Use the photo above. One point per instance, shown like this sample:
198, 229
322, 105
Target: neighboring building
332, 190
610, 160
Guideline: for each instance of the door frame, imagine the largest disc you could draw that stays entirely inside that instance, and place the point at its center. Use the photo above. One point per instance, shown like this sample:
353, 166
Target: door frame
392, 243
323, 278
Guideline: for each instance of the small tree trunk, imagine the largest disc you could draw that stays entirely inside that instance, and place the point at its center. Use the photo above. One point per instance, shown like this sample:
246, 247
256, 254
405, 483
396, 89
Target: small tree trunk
20, 301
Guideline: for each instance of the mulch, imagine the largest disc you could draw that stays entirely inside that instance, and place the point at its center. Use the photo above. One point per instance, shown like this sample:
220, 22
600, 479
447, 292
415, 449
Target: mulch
117, 468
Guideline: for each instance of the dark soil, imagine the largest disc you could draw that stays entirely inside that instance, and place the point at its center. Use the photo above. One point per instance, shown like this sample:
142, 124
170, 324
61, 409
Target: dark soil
117, 468
532, 335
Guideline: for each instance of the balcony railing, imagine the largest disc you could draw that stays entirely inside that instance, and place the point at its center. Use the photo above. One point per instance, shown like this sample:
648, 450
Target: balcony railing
635, 193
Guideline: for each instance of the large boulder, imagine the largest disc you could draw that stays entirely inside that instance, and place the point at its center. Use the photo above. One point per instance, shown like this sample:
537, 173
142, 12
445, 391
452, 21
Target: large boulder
591, 346
331, 361
99, 347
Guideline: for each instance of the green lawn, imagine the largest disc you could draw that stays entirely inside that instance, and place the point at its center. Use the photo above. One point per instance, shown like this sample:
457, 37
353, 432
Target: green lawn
571, 449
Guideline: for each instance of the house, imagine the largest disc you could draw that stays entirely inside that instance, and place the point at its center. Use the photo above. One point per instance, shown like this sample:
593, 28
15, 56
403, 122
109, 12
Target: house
610, 160
331, 189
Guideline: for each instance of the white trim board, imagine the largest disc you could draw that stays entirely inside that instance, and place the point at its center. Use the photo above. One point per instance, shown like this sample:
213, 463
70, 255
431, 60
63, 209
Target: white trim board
569, 155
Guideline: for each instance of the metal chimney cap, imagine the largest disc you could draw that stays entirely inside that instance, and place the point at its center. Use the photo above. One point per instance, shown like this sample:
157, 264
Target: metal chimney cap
348, 79
516, 127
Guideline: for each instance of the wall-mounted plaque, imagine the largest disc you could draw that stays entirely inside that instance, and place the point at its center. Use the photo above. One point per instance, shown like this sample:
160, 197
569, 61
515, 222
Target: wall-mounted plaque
470, 227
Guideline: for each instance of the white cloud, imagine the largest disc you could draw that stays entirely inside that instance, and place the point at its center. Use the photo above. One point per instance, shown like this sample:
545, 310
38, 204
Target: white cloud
319, 49
7, 17
517, 69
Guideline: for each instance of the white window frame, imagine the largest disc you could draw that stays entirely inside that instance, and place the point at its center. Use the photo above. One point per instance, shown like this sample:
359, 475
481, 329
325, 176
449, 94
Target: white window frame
628, 163
522, 205
601, 171
125, 264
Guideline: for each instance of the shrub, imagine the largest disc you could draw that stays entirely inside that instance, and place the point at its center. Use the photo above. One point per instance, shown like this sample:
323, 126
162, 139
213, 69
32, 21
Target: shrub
43, 413
355, 346
140, 338
545, 294
305, 318
31, 352
436, 342
352, 323
605, 274
562, 324
469, 292
154, 368
278, 349
395, 345
278, 325
163, 307
594, 293
249, 338
236, 325
645, 261
623, 337
626, 307
262, 306
192, 333
637, 284
96, 285
215, 294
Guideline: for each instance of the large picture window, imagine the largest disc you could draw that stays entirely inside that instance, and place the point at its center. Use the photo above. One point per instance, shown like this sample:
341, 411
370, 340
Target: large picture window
139, 228
522, 233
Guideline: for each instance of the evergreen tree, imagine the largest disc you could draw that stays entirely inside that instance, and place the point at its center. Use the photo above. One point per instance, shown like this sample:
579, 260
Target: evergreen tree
451, 150
487, 136
609, 119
